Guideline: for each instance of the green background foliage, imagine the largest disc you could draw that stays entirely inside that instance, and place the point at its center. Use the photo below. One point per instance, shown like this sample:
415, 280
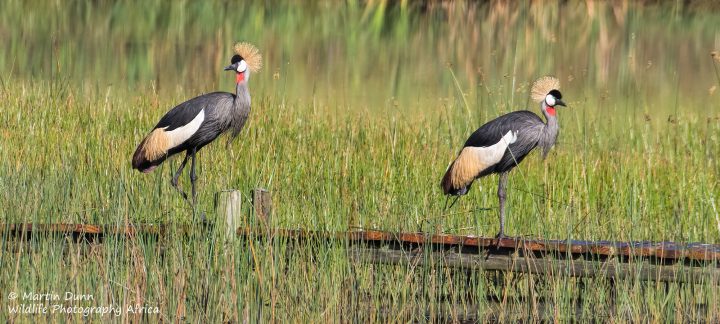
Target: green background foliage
356, 115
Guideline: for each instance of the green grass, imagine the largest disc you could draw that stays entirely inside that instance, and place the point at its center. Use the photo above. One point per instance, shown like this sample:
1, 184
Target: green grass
355, 118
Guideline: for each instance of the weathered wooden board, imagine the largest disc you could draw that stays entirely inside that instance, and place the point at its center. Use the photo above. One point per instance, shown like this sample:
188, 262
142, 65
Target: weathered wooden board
660, 250
88, 229
607, 268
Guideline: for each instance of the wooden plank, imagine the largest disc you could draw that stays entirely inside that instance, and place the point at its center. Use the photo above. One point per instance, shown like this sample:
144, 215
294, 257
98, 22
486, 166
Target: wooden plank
84, 229
660, 250
610, 268
543, 257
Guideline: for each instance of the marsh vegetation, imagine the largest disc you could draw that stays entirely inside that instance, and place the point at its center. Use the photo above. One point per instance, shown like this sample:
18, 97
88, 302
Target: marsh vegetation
355, 117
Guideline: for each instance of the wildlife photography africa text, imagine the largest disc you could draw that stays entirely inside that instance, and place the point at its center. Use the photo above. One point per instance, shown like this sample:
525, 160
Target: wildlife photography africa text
359, 161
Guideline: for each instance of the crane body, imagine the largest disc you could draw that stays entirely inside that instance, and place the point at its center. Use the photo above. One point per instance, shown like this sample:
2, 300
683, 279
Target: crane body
191, 125
516, 134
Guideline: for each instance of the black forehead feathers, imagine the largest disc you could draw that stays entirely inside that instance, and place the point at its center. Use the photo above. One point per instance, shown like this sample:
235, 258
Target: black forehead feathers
555, 93
236, 58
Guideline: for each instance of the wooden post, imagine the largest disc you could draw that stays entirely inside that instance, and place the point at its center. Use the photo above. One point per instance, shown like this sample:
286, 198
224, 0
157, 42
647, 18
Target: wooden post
262, 203
229, 204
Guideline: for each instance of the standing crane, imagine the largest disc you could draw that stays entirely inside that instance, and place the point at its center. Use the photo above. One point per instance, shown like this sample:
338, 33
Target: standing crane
502, 143
197, 122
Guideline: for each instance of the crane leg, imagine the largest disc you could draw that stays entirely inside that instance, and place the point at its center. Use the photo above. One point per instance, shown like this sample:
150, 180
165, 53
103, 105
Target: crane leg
502, 183
176, 177
193, 177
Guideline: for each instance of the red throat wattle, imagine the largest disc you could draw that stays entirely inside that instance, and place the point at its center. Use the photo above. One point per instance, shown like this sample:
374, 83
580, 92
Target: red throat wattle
551, 111
239, 77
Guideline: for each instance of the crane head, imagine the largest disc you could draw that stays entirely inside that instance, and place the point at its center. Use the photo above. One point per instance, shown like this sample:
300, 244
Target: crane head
237, 64
240, 67
545, 90
554, 98
247, 59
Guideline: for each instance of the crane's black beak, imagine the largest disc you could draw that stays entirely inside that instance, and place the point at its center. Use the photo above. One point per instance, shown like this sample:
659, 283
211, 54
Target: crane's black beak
559, 102
231, 67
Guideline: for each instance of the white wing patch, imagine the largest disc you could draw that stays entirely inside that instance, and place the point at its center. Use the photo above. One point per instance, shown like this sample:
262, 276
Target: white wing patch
491, 155
179, 135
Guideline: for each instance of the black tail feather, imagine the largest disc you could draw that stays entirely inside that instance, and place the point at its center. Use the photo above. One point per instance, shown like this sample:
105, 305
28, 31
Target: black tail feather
142, 164
447, 186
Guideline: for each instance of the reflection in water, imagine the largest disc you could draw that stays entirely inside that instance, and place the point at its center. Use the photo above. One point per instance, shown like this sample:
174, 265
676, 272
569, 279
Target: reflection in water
371, 54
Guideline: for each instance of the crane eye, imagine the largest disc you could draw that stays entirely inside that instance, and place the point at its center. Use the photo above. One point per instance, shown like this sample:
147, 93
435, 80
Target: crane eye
242, 66
550, 100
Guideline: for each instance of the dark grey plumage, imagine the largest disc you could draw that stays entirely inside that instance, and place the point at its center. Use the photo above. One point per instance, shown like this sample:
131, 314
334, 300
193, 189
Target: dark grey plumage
531, 132
223, 112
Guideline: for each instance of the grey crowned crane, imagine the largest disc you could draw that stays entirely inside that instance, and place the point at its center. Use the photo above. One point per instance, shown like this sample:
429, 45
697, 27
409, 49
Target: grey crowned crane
502, 143
197, 122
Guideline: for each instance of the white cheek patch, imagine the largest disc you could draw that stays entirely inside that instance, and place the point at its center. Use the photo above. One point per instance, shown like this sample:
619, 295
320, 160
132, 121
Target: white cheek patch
242, 66
550, 100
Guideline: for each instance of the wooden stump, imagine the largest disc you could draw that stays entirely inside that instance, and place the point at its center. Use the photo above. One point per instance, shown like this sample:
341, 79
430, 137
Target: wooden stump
262, 203
229, 204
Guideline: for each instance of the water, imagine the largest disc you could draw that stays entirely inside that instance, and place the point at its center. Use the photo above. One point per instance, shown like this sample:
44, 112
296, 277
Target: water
386, 56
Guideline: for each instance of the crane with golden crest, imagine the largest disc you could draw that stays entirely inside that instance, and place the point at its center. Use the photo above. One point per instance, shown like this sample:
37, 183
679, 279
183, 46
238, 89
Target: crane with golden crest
199, 121
502, 143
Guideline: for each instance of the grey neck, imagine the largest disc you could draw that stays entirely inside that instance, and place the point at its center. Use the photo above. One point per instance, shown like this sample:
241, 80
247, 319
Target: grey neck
550, 131
237, 115
242, 95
